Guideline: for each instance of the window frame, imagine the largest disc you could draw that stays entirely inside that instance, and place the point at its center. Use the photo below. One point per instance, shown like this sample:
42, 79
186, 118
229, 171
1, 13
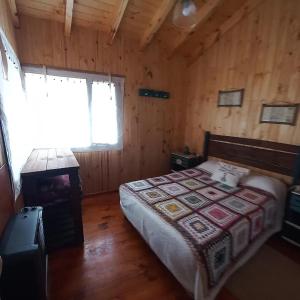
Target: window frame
90, 77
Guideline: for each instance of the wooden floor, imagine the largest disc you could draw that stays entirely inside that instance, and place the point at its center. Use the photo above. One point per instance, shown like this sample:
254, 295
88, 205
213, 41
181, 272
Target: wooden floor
114, 264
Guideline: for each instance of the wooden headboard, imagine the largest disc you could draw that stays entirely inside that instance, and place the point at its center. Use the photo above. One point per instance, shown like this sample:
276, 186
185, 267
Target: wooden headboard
271, 156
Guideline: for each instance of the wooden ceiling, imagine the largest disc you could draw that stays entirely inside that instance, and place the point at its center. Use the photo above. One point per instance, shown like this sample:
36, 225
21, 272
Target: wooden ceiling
143, 20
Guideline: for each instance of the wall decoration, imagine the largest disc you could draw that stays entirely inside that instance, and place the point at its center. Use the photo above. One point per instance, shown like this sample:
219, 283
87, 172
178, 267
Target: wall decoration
279, 114
154, 93
231, 98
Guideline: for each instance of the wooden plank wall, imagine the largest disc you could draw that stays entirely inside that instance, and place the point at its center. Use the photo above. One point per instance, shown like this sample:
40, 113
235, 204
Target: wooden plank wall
6, 199
261, 54
6, 23
151, 127
8, 28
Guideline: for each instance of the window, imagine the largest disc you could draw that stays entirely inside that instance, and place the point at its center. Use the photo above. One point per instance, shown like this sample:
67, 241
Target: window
82, 111
14, 112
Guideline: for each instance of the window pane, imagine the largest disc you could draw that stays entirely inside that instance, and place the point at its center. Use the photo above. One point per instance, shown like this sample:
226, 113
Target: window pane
104, 113
60, 106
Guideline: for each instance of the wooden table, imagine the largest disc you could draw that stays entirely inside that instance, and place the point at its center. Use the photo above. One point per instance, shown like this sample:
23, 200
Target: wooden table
46, 164
52, 161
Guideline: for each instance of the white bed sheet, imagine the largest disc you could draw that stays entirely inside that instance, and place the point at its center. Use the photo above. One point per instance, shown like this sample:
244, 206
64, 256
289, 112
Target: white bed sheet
169, 245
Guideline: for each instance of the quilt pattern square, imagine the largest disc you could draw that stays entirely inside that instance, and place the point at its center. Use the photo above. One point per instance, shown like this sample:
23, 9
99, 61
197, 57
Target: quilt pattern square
252, 196
200, 229
238, 205
153, 195
192, 184
240, 233
173, 209
219, 215
270, 213
205, 178
139, 185
257, 223
173, 189
226, 188
158, 180
176, 176
218, 257
211, 193
202, 170
194, 200
192, 172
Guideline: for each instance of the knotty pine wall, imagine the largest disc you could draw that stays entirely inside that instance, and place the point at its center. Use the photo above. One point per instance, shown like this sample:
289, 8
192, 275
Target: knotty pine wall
6, 23
6, 199
7, 26
261, 54
151, 127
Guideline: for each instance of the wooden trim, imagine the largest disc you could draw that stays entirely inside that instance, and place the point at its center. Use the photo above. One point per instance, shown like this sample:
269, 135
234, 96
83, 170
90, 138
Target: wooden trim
276, 157
231, 91
203, 13
117, 21
210, 40
73, 70
91, 195
293, 123
14, 12
156, 22
68, 17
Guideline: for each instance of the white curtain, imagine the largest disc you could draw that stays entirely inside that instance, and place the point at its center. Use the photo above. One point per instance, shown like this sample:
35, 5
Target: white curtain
60, 109
104, 113
15, 113
107, 113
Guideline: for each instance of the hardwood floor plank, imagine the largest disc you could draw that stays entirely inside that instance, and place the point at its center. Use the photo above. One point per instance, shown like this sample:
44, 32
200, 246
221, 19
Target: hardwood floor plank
114, 263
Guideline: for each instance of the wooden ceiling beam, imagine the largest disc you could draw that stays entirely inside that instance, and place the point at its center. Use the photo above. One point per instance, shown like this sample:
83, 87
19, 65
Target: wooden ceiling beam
69, 17
14, 12
117, 21
203, 13
210, 40
156, 22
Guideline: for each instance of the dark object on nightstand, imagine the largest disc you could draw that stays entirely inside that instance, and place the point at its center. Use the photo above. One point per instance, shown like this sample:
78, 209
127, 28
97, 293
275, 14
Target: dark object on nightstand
180, 161
291, 226
50, 178
22, 249
186, 150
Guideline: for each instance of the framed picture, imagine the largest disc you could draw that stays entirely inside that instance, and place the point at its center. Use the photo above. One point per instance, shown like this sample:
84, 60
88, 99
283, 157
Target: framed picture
279, 114
231, 98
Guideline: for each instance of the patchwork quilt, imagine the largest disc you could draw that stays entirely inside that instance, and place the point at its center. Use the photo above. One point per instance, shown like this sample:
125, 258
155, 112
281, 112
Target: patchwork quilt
218, 222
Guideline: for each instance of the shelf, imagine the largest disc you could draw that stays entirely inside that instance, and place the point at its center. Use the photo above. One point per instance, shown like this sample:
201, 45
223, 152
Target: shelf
292, 224
290, 241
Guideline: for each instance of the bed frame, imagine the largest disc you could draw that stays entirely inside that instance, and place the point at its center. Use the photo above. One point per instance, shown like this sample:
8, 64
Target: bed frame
275, 157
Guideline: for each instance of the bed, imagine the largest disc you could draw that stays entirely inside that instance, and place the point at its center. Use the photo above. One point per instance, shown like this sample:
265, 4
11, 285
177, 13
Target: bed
190, 222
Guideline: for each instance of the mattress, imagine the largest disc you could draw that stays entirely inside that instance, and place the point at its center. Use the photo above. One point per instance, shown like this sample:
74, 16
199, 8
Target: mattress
173, 249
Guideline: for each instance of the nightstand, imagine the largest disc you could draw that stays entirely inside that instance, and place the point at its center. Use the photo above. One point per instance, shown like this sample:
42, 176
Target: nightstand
291, 225
181, 161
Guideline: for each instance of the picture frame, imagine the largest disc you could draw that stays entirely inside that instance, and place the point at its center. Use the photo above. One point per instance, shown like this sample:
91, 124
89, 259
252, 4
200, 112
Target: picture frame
231, 98
279, 114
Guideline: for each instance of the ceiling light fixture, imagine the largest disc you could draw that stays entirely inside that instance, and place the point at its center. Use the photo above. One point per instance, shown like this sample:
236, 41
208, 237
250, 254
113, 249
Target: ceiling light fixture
185, 13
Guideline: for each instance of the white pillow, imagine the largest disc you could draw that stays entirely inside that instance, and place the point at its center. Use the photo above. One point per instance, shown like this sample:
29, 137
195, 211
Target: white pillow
209, 166
272, 185
229, 174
